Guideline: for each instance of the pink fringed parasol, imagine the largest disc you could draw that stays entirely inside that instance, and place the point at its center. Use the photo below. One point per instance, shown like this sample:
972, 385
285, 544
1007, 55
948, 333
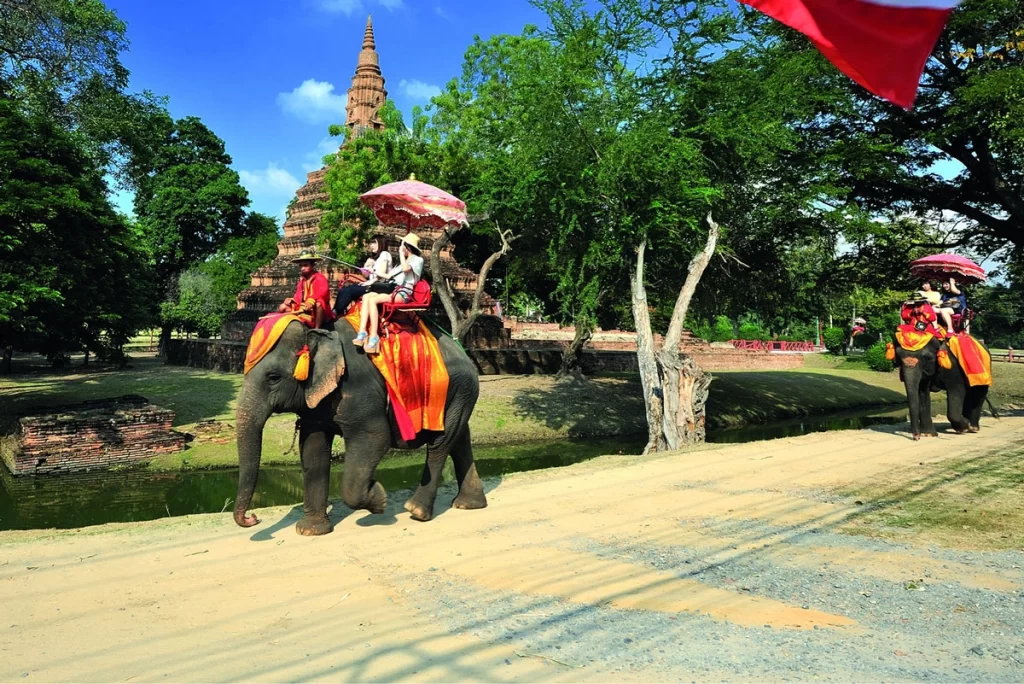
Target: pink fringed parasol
413, 204
943, 266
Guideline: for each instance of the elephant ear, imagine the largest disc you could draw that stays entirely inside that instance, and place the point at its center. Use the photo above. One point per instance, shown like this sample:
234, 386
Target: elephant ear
327, 365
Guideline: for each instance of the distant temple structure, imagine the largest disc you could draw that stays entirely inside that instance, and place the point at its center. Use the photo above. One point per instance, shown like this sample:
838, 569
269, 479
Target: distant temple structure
275, 281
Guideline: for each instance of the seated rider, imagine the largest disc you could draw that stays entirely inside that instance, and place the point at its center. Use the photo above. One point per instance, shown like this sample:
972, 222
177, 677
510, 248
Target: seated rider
312, 292
377, 267
405, 276
919, 311
953, 302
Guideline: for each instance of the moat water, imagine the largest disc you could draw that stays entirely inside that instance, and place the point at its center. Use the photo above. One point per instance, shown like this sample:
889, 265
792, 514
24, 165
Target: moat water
95, 498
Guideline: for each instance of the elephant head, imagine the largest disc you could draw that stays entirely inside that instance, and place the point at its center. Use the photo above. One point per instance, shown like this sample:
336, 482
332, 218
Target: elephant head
934, 368
271, 386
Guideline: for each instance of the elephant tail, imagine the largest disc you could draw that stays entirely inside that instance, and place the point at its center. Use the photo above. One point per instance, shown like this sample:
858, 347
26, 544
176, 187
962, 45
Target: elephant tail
995, 413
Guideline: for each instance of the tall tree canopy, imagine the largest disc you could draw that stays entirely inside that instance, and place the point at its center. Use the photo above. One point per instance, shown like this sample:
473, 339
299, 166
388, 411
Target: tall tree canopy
190, 201
61, 58
74, 275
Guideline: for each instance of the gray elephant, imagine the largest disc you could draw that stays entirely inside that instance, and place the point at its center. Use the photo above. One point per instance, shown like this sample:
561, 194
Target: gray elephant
922, 374
345, 394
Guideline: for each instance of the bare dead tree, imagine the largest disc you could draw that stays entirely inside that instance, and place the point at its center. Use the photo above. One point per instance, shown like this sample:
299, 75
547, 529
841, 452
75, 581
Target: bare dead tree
461, 323
675, 388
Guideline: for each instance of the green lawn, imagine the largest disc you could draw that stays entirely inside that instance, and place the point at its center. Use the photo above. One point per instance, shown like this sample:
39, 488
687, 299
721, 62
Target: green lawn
511, 409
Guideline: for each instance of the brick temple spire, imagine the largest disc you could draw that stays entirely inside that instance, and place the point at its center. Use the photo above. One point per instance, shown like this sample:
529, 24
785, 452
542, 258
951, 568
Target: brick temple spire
367, 94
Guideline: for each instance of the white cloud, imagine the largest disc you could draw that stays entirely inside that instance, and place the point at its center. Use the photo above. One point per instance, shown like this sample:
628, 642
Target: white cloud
272, 181
314, 160
314, 102
418, 89
350, 7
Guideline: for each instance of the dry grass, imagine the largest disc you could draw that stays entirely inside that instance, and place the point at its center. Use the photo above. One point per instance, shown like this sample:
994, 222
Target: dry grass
964, 503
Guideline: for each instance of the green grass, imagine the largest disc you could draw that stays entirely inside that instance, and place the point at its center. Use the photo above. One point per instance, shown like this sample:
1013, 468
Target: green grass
966, 503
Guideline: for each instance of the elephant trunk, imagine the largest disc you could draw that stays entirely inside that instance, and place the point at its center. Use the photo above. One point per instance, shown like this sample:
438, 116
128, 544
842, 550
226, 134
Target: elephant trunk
249, 423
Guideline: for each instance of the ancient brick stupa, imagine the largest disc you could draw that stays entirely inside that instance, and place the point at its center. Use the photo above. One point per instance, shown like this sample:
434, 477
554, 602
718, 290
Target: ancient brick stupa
275, 281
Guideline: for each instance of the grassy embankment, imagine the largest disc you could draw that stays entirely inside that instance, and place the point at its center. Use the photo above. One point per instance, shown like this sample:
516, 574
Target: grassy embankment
962, 502
511, 409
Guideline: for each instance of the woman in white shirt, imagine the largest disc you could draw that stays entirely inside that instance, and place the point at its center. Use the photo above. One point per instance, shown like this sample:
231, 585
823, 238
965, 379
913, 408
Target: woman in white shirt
405, 276
376, 268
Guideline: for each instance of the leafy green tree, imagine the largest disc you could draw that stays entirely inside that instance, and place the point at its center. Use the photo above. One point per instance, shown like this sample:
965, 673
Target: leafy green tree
968, 116
61, 59
197, 308
190, 202
73, 276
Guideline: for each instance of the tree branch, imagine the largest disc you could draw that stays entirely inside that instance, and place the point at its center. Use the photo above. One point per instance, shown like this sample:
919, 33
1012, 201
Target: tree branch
698, 264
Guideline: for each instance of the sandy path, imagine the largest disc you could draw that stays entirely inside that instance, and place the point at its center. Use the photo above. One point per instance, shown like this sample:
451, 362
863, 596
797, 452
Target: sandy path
717, 563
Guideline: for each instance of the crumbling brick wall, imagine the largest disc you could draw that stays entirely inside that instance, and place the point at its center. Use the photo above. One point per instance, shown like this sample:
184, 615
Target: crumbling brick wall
91, 435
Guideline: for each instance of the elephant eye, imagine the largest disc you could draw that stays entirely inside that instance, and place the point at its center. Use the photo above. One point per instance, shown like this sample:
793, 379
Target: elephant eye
273, 376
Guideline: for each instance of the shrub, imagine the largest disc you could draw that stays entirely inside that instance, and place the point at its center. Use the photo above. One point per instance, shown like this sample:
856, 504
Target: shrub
835, 339
723, 330
875, 357
752, 331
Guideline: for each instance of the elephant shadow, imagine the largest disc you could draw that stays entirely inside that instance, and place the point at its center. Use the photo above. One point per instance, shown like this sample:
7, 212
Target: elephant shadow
944, 428
338, 511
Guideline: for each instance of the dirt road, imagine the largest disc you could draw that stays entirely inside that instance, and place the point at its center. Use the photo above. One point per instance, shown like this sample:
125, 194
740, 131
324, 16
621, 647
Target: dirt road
720, 563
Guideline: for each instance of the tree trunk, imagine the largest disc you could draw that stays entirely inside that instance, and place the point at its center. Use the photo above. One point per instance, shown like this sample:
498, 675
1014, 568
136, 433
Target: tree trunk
462, 323
165, 338
8, 356
571, 356
675, 388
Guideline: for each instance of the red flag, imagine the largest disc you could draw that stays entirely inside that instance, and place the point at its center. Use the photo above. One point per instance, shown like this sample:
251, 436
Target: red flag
881, 44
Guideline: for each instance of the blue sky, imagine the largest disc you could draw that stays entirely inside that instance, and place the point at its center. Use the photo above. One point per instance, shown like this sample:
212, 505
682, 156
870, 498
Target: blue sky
269, 76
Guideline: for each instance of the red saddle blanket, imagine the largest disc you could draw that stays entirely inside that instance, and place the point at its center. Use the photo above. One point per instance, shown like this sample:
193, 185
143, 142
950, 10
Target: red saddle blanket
410, 360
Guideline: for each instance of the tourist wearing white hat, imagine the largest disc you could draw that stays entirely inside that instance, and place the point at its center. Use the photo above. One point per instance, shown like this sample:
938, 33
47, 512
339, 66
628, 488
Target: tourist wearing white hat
408, 272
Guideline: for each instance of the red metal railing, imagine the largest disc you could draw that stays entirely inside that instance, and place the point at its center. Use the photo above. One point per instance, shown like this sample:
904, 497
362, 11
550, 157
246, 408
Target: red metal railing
773, 345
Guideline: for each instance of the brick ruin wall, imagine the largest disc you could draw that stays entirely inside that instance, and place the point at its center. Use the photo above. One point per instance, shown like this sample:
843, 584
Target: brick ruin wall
91, 435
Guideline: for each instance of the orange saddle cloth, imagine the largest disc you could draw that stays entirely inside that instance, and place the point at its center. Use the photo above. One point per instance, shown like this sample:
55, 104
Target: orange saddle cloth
410, 360
973, 358
266, 333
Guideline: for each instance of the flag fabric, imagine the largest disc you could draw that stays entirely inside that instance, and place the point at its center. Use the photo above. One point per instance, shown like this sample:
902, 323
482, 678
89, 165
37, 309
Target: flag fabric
881, 44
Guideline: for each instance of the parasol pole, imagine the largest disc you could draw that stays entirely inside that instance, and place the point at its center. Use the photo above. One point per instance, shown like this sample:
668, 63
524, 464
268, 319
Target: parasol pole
338, 261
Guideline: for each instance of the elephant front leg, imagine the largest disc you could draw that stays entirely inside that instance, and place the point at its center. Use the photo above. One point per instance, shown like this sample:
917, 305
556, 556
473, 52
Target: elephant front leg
315, 446
926, 423
362, 454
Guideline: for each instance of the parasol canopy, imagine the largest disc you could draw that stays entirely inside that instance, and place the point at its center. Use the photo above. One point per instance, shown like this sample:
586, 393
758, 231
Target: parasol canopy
415, 204
943, 266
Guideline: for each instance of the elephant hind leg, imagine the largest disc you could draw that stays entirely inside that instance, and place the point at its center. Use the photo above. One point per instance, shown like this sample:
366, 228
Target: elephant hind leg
471, 490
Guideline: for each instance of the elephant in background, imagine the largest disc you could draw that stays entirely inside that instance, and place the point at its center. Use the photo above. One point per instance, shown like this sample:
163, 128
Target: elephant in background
345, 394
922, 374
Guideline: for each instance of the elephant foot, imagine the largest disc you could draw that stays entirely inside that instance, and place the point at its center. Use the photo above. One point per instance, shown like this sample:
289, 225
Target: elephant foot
470, 500
378, 500
917, 437
973, 429
314, 526
418, 509
243, 520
